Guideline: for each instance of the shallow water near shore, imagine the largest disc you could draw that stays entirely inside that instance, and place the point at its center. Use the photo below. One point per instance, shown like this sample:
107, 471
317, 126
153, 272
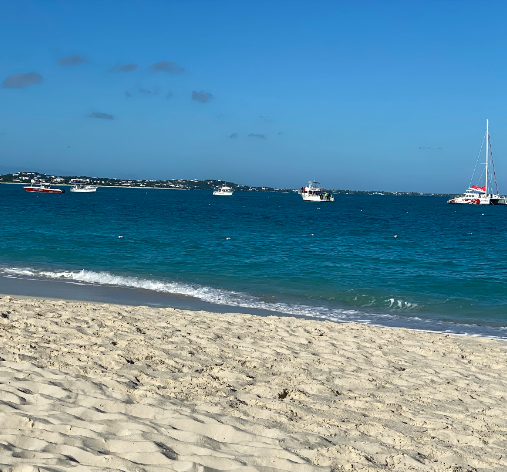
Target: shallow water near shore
339, 261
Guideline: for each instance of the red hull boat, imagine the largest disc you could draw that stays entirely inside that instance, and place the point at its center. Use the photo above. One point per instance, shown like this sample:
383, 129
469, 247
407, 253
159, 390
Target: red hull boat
44, 189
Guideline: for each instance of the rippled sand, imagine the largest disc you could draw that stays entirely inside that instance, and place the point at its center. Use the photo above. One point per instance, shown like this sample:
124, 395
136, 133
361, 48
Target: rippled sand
107, 387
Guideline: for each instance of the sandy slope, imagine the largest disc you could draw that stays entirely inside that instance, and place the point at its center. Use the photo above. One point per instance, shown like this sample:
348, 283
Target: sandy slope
86, 386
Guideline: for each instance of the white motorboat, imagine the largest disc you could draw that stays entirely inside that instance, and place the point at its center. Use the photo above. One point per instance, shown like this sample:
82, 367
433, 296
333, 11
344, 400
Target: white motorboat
314, 193
80, 186
477, 195
223, 190
83, 188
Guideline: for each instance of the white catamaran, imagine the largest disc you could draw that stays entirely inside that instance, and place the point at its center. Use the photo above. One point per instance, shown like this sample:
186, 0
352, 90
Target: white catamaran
476, 195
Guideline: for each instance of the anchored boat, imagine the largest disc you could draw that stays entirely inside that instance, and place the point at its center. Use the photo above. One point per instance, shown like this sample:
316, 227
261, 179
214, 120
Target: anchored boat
476, 195
81, 186
314, 193
223, 190
43, 187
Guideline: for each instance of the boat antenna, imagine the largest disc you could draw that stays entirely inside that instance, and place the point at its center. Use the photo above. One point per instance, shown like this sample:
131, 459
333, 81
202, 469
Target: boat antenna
477, 161
493, 164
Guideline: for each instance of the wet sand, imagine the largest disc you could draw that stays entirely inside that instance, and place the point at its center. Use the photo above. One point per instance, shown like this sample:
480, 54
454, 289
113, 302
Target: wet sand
88, 386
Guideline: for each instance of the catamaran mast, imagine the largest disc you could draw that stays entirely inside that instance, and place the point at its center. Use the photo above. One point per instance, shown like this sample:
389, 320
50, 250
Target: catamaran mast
487, 142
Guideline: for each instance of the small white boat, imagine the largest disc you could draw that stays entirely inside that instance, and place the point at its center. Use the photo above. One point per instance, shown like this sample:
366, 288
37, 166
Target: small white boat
314, 193
223, 190
476, 195
82, 187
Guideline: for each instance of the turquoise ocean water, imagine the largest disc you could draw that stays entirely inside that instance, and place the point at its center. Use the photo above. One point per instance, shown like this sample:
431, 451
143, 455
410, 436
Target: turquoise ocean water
445, 271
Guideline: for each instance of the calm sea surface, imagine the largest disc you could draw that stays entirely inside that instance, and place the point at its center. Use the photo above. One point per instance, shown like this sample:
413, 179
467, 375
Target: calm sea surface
445, 271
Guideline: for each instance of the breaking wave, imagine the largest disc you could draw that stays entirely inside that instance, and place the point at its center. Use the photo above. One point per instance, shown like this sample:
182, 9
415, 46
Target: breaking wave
207, 294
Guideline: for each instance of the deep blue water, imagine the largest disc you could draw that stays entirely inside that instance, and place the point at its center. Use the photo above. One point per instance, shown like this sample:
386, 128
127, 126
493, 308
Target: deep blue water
446, 270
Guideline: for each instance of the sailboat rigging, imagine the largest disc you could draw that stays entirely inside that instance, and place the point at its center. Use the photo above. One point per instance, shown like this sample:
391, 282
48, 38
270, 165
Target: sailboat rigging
482, 195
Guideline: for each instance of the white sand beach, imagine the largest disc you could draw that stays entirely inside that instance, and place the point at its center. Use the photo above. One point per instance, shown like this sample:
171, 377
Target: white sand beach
88, 386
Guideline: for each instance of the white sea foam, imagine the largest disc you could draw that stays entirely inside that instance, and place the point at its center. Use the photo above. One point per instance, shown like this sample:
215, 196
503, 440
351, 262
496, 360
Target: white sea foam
400, 304
16, 271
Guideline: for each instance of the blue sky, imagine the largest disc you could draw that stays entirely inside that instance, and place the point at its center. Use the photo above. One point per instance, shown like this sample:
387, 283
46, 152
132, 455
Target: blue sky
390, 95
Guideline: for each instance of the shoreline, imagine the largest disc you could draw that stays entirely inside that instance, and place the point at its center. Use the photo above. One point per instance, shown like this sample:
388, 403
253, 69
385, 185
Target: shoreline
308, 395
80, 290
75, 291
101, 186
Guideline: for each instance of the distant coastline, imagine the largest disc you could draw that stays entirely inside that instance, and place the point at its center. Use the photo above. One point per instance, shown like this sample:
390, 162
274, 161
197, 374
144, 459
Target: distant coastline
24, 178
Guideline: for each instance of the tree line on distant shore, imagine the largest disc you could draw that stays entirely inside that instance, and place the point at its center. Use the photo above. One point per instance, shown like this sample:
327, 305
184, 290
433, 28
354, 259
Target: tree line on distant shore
183, 184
